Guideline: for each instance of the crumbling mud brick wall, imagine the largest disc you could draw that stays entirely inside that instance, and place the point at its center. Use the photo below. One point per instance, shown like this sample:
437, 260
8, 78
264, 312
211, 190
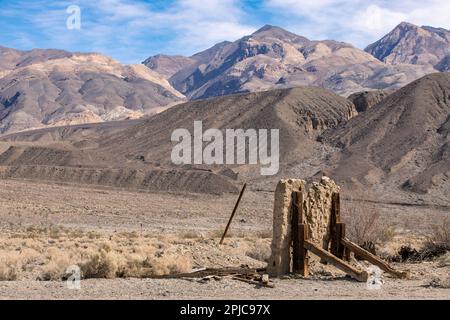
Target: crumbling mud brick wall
280, 261
317, 201
317, 211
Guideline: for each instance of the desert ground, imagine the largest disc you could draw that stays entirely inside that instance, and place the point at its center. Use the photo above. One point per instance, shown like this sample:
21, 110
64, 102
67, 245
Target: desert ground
120, 238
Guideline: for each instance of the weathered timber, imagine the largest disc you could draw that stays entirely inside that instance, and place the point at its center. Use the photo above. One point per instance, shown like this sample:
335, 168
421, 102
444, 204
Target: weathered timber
336, 227
221, 272
356, 274
233, 213
303, 259
373, 259
297, 238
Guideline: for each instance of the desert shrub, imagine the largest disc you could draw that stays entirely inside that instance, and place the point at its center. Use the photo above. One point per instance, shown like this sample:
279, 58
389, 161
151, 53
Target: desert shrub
10, 266
190, 235
265, 234
364, 225
440, 234
100, 265
108, 264
438, 242
143, 267
55, 268
260, 251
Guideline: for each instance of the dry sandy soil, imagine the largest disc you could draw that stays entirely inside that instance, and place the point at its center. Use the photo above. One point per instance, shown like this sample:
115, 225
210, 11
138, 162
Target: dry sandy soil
46, 227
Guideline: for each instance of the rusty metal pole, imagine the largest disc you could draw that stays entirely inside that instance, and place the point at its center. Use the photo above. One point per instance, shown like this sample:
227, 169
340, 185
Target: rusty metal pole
233, 213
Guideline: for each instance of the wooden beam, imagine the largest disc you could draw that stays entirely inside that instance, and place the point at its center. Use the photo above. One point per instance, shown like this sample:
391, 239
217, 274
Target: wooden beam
356, 274
336, 206
233, 213
303, 259
373, 259
335, 226
298, 255
295, 233
340, 234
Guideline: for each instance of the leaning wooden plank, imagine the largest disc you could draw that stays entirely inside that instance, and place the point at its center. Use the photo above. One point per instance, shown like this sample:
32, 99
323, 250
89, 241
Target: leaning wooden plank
233, 213
373, 259
356, 274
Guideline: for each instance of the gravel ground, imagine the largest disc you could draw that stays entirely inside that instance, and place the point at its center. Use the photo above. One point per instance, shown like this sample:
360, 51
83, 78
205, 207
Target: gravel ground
24, 204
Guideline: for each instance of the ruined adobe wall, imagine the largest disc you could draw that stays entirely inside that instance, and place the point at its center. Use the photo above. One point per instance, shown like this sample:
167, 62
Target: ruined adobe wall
280, 260
316, 210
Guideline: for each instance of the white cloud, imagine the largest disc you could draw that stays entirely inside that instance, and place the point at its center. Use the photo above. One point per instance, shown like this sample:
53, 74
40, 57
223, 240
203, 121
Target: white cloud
195, 24
359, 21
130, 30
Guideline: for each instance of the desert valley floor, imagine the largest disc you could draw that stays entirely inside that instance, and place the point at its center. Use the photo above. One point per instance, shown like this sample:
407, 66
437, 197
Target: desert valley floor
45, 217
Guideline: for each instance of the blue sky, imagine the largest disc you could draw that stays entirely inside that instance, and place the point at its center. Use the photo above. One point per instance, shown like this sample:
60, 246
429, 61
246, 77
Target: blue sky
130, 31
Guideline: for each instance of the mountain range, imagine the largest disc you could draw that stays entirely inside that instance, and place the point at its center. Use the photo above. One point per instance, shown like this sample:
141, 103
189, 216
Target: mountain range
49, 88
41, 88
394, 151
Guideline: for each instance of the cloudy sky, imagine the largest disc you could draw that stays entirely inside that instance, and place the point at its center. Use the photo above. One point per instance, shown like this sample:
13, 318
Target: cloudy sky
130, 31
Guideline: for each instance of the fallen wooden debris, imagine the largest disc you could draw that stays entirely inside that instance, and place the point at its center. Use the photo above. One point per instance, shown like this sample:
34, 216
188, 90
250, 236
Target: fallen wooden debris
220, 272
256, 281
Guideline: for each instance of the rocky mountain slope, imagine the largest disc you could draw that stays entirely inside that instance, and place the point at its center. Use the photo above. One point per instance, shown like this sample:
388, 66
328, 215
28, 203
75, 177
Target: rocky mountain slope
141, 149
411, 44
166, 65
50, 88
397, 149
300, 114
11, 58
403, 141
365, 100
275, 58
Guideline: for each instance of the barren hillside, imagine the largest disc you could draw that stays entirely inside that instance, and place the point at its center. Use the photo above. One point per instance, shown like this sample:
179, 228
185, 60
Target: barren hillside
402, 142
411, 44
275, 58
78, 88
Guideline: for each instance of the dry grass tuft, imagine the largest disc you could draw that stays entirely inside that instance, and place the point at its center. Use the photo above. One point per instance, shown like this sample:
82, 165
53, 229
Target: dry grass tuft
10, 266
46, 253
260, 251
440, 234
100, 265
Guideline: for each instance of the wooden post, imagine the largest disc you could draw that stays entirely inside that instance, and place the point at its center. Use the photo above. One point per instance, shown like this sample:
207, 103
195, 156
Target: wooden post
340, 234
373, 259
233, 213
336, 226
297, 237
359, 275
303, 260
